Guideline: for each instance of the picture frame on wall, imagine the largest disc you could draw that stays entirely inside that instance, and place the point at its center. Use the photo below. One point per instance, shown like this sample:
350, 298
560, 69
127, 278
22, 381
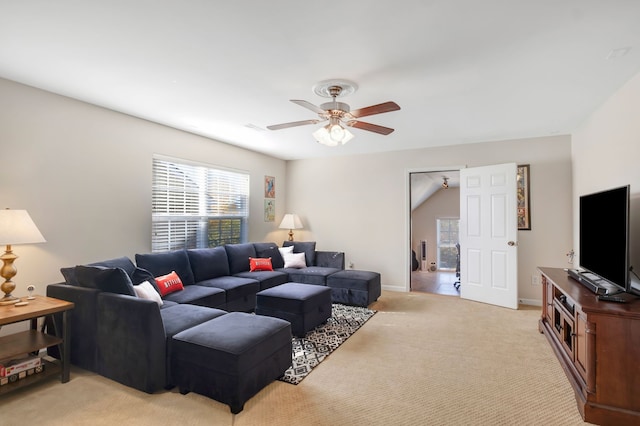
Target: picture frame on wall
269, 210
523, 197
269, 187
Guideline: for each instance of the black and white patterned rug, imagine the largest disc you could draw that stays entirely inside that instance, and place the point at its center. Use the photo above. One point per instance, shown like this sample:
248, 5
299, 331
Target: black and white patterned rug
311, 350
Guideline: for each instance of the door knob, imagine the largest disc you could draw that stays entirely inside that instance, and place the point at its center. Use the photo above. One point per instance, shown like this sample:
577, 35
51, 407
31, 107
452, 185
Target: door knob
512, 243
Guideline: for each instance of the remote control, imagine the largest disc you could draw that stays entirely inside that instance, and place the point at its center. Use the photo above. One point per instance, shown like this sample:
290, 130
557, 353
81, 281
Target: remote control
612, 298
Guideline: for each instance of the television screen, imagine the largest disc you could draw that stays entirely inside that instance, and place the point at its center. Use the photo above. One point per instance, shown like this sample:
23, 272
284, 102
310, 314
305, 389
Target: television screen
604, 235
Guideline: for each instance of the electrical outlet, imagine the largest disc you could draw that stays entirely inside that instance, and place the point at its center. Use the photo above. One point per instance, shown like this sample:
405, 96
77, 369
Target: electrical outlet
535, 279
351, 265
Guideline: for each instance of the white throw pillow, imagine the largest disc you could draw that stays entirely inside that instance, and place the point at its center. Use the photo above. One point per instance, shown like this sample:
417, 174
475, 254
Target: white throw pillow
294, 260
145, 290
285, 250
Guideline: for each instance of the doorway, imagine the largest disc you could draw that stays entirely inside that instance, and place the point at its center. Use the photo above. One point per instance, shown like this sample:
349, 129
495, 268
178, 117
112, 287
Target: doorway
438, 282
434, 207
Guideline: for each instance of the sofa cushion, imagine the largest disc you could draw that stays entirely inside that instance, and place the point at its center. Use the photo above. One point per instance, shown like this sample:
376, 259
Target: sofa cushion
310, 275
240, 292
234, 287
169, 283
163, 263
266, 250
260, 264
113, 280
239, 255
69, 273
141, 275
208, 263
267, 279
330, 259
181, 317
199, 295
306, 247
167, 303
119, 262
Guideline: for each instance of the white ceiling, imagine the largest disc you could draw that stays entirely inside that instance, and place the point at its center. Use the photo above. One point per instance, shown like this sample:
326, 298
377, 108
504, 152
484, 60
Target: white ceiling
462, 71
425, 184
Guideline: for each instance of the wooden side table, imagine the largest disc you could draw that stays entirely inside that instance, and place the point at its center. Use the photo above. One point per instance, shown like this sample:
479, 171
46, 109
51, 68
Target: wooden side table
32, 340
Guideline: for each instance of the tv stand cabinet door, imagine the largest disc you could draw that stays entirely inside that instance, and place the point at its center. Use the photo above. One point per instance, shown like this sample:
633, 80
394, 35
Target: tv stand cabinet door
585, 350
548, 299
617, 350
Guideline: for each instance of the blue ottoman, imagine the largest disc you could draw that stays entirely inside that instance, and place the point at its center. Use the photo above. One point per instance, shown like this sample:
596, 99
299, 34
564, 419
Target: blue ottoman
353, 287
305, 306
232, 357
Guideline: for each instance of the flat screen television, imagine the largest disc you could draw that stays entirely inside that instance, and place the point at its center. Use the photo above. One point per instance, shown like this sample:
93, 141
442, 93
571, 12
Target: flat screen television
604, 235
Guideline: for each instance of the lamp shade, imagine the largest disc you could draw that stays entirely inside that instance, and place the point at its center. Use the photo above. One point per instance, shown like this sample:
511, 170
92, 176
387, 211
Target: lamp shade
16, 227
291, 221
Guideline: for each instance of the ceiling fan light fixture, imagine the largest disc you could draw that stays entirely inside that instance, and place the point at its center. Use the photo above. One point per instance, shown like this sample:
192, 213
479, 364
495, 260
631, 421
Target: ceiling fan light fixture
339, 114
347, 136
323, 137
332, 135
336, 132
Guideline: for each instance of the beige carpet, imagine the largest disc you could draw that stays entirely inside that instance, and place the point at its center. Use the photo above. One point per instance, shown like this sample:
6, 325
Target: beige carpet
423, 359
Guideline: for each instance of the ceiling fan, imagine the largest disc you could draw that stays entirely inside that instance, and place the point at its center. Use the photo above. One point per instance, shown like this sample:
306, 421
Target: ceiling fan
339, 114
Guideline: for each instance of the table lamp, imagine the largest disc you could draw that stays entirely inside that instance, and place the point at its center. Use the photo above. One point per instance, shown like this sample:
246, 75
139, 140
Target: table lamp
16, 227
291, 221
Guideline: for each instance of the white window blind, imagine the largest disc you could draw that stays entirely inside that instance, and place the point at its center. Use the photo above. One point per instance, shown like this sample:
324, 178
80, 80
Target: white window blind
196, 206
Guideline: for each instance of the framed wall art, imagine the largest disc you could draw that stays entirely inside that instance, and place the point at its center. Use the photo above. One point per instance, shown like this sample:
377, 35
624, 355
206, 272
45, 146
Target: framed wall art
269, 210
523, 194
269, 187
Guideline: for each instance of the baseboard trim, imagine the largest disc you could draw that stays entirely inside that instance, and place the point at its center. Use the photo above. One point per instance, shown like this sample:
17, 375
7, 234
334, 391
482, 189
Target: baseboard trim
394, 288
530, 302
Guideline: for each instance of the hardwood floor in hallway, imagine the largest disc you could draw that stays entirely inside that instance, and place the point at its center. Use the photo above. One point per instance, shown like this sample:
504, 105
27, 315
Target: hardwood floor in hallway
440, 282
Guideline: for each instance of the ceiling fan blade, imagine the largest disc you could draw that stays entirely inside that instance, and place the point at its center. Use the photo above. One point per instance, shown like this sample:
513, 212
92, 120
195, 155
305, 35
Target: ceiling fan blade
375, 109
370, 127
309, 105
292, 124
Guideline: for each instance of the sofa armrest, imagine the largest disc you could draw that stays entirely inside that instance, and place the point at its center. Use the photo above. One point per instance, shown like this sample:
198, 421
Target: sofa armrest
82, 323
330, 259
131, 342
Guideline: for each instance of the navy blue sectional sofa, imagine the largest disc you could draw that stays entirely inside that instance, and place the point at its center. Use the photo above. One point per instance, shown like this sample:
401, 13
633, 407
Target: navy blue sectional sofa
128, 339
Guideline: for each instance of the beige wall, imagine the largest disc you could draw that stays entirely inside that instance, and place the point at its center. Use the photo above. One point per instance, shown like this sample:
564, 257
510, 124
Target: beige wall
360, 204
84, 175
442, 204
606, 154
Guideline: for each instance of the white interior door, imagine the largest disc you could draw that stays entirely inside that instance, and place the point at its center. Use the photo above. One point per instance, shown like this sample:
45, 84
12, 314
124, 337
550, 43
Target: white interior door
488, 235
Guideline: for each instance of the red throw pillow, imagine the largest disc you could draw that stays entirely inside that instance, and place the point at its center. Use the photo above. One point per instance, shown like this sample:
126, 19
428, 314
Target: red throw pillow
259, 264
169, 283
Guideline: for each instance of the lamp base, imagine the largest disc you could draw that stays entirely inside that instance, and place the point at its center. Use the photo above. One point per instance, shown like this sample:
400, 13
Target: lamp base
290, 235
7, 272
8, 300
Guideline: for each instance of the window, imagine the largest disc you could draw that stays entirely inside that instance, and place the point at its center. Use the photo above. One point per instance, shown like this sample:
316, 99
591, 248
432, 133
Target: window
447, 239
196, 206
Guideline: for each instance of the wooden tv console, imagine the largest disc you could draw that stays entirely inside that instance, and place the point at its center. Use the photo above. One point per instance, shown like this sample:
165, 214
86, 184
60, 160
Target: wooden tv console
598, 346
